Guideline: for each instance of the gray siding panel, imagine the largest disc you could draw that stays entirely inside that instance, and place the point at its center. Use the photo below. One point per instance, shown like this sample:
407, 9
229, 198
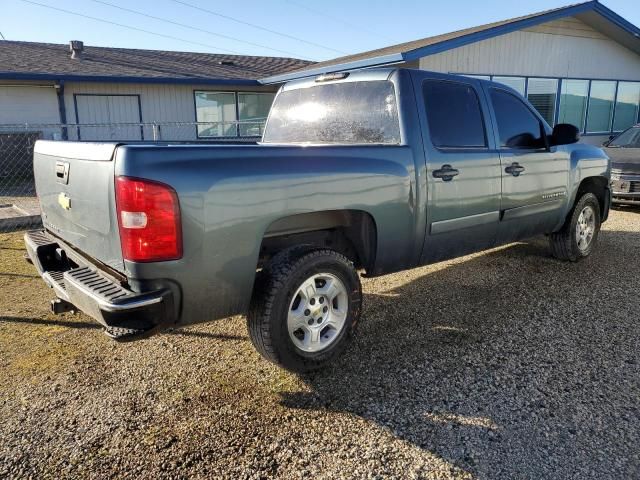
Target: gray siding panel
159, 103
28, 104
570, 51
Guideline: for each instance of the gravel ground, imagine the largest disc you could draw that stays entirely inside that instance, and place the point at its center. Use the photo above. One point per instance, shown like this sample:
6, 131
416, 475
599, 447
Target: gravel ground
506, 364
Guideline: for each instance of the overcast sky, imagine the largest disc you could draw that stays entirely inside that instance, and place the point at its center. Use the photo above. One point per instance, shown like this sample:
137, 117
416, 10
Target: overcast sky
315, 30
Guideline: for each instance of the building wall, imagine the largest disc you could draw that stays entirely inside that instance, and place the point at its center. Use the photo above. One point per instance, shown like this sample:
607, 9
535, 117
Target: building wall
22, 103
561, 48
158, 103
566, 48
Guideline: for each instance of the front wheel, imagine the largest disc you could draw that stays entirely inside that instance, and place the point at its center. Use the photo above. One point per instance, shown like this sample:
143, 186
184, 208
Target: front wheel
305, 308
579, 235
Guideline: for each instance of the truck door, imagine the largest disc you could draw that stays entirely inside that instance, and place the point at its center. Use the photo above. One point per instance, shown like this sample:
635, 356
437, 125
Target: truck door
463, 167
534, 175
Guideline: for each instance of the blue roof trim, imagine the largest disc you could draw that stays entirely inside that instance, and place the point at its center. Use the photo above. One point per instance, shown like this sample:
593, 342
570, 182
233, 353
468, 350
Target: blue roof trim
114, 79
445, 45
497, 31
368, 62
617, 19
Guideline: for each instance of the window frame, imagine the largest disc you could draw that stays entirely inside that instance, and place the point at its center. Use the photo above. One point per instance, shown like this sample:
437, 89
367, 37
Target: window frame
454, 149
561, 80
615, 107
238, 93
611, 114
582, 127
236, 96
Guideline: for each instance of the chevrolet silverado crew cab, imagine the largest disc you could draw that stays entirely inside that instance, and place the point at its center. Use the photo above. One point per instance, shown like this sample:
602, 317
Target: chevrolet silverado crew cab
373, 171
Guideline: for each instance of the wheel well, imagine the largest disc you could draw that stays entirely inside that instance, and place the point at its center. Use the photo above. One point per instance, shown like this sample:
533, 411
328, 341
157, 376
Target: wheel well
595, 185
350, 232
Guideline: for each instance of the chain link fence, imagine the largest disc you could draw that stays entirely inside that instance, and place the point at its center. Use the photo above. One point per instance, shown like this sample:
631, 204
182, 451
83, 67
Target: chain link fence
19, 208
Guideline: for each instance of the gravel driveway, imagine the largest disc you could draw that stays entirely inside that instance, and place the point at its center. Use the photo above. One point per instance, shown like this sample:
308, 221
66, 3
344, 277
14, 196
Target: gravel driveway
506, 364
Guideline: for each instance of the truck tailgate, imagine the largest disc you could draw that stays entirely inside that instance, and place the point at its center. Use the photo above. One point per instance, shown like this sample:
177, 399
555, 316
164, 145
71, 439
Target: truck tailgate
75, 186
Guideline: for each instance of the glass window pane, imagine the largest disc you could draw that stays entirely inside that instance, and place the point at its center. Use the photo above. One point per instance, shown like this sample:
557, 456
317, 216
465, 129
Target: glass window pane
218, 111
335, 113
627, 104
517, 83
253, 109
600, 106
573, 102
518, 127
541, 93
454, 115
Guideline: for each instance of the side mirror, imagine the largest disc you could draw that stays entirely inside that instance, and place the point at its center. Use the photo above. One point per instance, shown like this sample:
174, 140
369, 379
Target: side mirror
565, 134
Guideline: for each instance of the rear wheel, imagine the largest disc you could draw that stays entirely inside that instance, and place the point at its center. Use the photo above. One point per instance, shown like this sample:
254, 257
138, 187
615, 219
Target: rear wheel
305, 308
579, 235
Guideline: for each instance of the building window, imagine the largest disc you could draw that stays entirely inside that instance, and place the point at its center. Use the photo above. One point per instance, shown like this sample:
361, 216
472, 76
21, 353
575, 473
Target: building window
627, 104
573, 102
231, 114
216, 111
253, 109
517, 83
596, 107
541, 93
601, 99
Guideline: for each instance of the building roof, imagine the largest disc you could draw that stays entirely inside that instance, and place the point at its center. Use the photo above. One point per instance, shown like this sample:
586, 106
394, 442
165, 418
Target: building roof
47, 61
592, 13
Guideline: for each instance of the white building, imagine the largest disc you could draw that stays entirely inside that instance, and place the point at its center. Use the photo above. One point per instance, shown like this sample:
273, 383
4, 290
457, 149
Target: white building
578, 64
46, 85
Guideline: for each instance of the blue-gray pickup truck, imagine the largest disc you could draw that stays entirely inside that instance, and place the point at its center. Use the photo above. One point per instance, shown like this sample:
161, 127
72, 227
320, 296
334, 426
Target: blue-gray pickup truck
367, 172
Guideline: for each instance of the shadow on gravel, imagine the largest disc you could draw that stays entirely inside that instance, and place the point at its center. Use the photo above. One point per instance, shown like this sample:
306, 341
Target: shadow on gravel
627, 208
90, 325
509, 365
53, 323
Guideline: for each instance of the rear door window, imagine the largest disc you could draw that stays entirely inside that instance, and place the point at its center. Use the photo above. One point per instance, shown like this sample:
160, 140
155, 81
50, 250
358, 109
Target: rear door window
518, 127
335, 113
454, 115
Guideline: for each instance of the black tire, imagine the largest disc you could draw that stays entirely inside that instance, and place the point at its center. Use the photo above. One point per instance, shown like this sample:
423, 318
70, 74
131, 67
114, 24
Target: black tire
275, 287
564, 243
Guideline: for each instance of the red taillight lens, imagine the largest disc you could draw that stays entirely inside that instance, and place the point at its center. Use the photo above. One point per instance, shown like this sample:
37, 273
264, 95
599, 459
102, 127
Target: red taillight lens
149, 220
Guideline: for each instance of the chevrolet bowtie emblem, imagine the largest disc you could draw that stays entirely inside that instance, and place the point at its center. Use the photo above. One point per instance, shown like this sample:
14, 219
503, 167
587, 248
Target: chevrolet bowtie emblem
64, 201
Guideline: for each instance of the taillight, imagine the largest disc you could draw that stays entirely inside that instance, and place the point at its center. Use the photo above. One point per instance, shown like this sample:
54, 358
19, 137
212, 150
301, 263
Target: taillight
149, 220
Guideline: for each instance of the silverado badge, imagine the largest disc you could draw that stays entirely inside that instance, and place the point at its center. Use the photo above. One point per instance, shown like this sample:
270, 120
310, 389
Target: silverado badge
64, 201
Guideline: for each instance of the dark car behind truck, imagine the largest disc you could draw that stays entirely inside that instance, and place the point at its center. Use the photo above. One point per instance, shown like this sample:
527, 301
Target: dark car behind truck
374, 171
624, 151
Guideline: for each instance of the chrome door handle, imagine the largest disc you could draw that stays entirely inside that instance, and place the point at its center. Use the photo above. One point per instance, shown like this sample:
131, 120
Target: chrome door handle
514, 169
446, 173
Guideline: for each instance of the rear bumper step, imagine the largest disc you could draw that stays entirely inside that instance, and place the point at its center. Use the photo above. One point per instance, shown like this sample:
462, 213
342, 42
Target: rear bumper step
79, 285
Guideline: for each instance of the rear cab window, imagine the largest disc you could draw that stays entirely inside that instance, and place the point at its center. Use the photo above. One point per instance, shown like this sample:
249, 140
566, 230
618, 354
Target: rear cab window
357, 112
454, 115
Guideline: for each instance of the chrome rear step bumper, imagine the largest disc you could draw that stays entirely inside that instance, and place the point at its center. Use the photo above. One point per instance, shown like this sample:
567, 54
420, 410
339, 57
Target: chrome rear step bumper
125, 314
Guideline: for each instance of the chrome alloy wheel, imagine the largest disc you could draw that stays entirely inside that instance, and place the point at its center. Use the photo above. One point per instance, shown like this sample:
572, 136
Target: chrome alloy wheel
318, 312
585, 227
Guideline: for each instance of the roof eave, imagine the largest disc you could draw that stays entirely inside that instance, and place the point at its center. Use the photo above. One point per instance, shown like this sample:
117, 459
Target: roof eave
369, 62
445, 45
499, 30
127, 79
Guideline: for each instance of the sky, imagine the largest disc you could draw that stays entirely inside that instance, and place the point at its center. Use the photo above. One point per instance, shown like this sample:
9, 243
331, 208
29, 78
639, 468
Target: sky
311, 30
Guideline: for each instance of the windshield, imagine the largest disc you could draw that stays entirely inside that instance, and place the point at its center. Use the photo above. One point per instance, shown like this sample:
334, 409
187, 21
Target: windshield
629, 139
348, 112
